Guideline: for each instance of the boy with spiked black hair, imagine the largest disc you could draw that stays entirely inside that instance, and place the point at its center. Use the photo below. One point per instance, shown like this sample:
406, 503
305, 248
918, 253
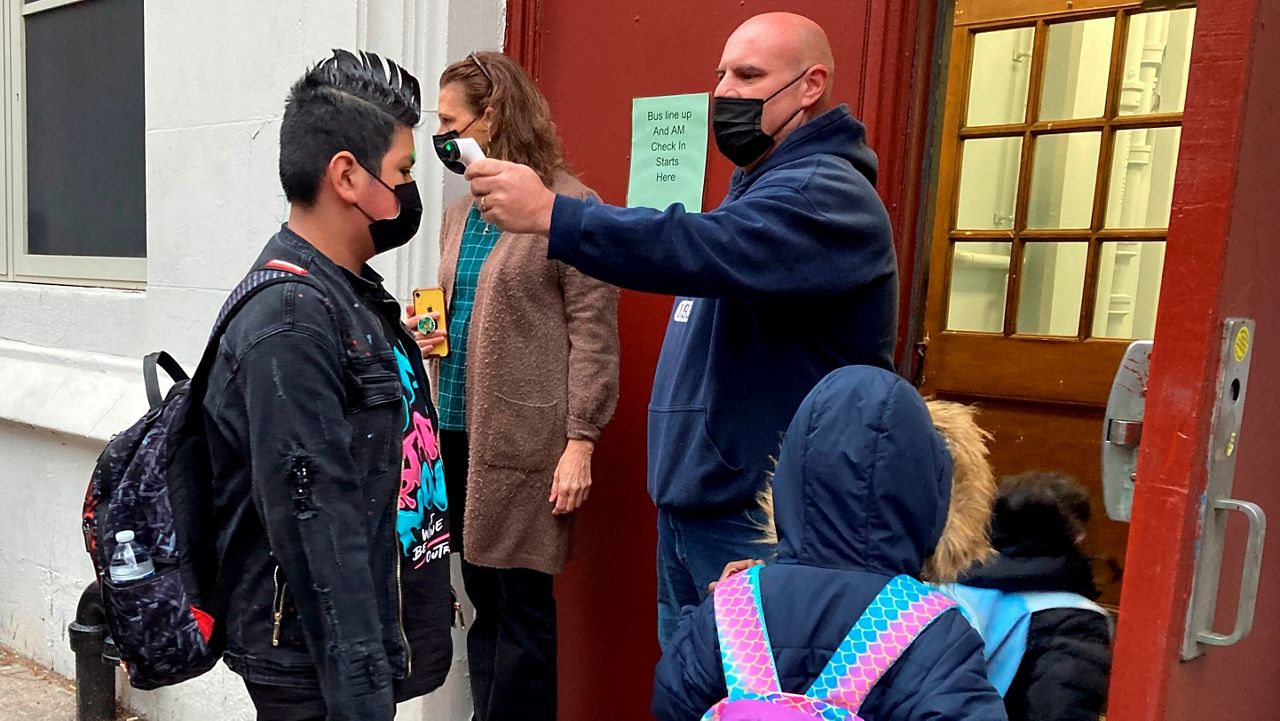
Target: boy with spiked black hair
329, 498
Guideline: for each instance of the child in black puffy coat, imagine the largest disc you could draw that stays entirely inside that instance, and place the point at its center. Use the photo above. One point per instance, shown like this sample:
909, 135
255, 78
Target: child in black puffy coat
1048, 646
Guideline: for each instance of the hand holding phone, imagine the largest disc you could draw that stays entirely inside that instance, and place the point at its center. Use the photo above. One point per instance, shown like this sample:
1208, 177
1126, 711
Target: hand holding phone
428, 322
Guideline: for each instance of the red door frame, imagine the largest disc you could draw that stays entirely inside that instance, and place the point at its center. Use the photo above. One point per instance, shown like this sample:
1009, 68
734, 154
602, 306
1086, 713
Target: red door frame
1221, 262
898, 123
894, 104
524, 28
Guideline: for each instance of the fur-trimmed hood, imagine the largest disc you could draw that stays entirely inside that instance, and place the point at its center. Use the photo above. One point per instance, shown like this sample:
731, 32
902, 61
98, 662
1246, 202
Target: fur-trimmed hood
870, 477
966, 539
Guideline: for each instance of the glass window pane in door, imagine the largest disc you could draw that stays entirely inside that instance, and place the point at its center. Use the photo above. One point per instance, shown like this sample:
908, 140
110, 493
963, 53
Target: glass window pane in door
979, 284
1063, 176
1076, 65
1143, 167
1052, 287
999, 76
988, 183
1157, 55
1129, 275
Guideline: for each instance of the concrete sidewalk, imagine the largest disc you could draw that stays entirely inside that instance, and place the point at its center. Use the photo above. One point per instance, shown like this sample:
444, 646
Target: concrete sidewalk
31, 693
28, 692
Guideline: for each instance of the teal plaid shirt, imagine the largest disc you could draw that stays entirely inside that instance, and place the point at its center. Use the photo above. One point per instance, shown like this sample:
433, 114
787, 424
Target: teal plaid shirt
478, 239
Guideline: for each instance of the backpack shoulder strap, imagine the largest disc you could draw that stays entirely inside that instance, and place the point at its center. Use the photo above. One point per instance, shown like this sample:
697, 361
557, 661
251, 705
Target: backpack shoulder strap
272, 272
897, 615
259, 279
749, 669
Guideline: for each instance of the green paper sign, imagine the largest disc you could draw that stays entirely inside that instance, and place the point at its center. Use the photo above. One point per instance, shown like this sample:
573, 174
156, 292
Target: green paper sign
668, 151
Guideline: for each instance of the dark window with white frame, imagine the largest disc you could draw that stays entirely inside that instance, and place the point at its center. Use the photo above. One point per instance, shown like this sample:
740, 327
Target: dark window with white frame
74, 147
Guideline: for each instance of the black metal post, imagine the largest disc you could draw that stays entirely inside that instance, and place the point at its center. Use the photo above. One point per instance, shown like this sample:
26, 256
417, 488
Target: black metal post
95, 670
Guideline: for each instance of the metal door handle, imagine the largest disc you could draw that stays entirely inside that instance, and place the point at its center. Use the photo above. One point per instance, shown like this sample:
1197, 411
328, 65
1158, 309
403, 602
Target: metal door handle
1249, 577
1223, 451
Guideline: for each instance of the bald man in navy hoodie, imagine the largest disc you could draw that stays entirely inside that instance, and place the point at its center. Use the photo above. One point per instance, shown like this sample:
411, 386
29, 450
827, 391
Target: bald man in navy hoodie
793, 276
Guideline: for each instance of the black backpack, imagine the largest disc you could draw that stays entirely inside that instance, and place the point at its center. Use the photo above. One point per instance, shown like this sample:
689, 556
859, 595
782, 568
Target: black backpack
155, 479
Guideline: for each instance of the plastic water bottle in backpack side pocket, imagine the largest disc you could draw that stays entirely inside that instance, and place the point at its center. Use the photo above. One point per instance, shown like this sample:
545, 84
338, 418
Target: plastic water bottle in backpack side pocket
130, 562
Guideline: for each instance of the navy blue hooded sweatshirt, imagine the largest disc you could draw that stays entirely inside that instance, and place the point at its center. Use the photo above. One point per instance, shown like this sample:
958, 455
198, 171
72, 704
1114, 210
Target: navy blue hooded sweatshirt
793, 276
860, 496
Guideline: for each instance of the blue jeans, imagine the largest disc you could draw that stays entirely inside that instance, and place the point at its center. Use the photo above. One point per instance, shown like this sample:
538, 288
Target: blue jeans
693, 551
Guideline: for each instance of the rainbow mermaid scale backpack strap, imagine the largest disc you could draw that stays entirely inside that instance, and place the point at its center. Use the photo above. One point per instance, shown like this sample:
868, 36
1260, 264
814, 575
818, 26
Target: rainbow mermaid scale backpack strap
747, 657
749, 670
902, 610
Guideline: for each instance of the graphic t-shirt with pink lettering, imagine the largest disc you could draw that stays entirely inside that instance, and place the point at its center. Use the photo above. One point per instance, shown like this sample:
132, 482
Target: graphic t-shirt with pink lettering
422, 534
422, 525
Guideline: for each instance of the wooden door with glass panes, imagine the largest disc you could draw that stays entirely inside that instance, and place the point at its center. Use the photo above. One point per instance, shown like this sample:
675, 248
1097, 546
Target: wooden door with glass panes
1058, 154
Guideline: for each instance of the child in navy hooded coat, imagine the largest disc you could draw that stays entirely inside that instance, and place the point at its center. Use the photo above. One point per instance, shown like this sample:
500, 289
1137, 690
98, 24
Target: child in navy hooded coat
860, 496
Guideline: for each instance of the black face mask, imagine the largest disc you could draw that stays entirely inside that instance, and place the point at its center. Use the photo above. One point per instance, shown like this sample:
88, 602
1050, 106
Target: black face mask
736, 123
447, 149
391, 233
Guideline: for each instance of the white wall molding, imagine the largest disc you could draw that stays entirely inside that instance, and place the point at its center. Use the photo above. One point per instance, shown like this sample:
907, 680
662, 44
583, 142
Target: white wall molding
85, 395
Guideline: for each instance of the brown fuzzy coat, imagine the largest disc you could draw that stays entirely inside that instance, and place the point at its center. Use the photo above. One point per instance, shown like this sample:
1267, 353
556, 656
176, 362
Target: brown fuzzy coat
966, 537
542, 368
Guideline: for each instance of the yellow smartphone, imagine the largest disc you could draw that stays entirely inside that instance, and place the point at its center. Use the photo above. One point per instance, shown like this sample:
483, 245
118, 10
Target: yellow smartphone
431, 300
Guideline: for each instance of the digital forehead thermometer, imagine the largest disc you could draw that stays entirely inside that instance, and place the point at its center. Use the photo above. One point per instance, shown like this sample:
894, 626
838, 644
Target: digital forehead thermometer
463, 151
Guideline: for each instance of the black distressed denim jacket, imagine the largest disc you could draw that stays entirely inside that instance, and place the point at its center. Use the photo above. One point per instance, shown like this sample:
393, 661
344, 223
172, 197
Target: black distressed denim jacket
302, 415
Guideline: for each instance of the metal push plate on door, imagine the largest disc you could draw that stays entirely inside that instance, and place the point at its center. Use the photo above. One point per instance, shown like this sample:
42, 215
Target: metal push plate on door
1122, 430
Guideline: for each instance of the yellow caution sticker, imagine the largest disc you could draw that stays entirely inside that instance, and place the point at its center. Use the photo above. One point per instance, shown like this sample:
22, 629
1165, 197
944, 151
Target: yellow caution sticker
1242, 343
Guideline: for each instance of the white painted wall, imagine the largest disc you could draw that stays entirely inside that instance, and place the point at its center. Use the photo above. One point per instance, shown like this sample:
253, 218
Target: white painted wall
216, 78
